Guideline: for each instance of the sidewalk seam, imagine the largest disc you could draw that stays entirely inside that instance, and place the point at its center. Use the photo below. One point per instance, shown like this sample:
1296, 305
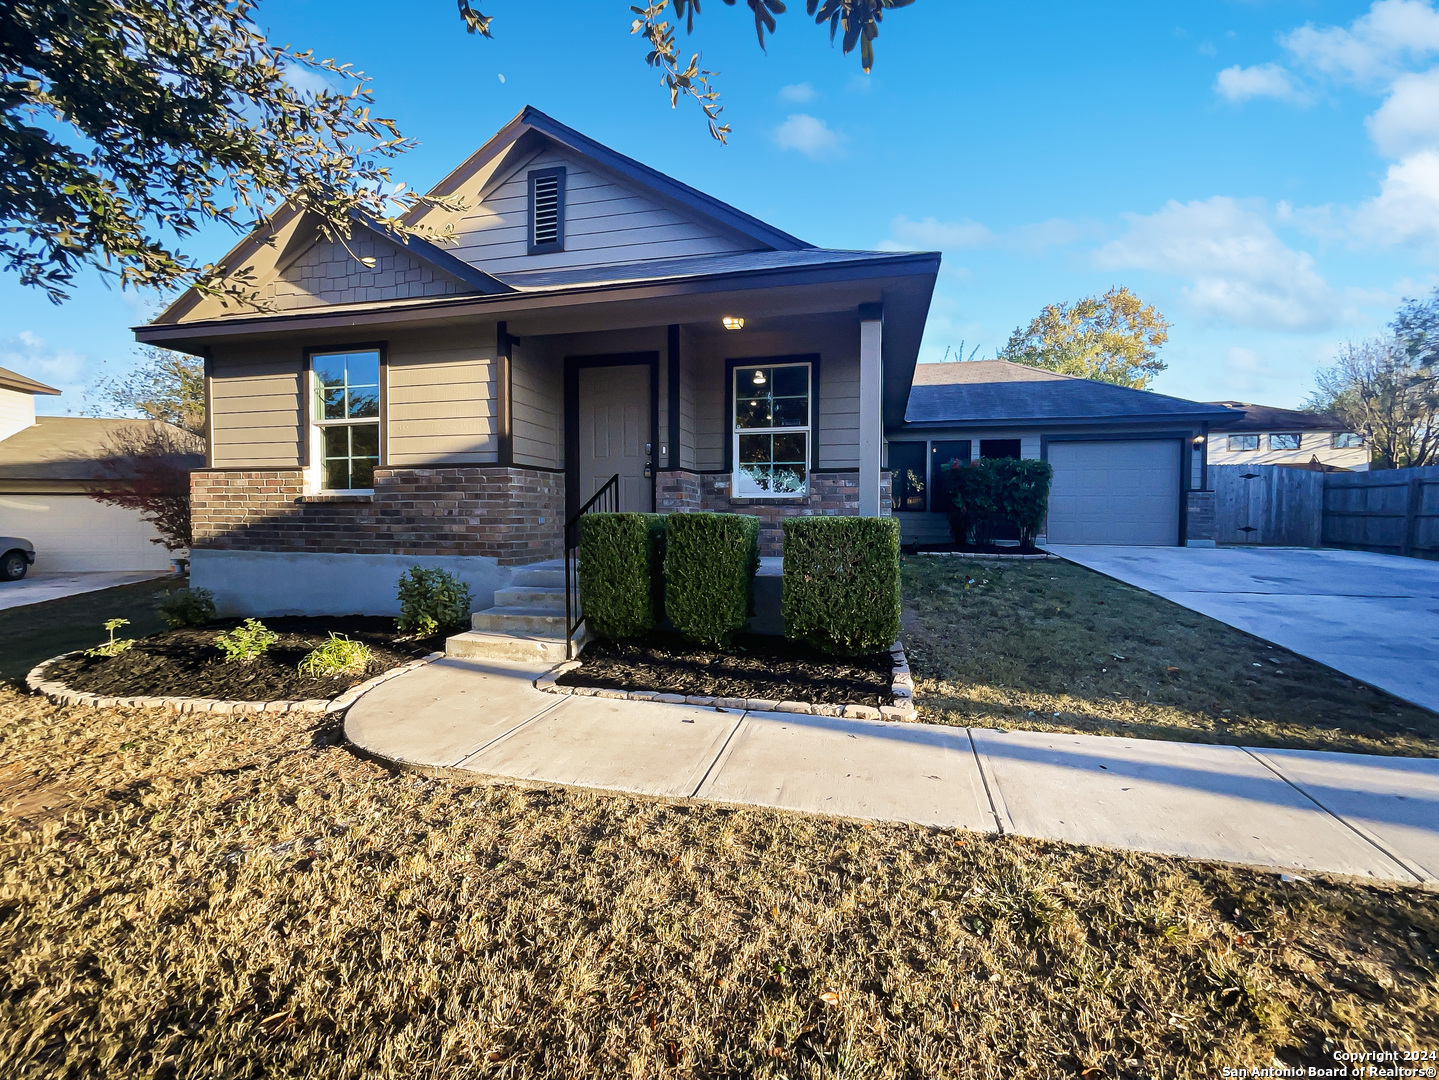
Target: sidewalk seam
1371, 841
718, 757
506, 734
984, 779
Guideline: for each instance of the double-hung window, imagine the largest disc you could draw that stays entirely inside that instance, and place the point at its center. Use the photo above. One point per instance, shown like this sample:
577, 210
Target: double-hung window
346, 411
773, 413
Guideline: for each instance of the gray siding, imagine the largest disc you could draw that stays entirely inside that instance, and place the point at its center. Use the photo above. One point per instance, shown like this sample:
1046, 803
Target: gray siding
441, 399
255, 397
537, 383
606, 220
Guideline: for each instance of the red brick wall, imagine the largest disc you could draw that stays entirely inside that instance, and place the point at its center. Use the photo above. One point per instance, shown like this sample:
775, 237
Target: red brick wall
829, 494
1199, 516
493, 512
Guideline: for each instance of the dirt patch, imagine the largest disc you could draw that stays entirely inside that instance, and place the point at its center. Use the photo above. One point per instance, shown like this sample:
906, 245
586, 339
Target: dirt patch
241, 889
754, 666
1052, 646
187, 662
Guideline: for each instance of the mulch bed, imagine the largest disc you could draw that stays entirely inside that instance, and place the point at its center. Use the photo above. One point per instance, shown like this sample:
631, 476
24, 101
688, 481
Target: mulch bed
753, 666
186, 663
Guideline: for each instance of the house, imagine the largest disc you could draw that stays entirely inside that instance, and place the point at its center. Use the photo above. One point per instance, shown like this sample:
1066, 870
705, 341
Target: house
48, 464
1263, 435
1129, 465
393, 402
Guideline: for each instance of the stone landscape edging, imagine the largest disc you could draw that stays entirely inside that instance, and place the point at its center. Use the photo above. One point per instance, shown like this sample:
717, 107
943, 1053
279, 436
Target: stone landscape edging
61, 694
901, 690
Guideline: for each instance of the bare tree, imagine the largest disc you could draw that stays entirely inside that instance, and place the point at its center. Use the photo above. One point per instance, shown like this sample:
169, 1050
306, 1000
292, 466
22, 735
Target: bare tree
1379, 387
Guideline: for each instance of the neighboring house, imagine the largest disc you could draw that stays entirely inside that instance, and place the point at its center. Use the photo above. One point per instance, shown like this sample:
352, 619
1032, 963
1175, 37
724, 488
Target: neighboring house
396, 402
1129, 465
47, 464
1261, 435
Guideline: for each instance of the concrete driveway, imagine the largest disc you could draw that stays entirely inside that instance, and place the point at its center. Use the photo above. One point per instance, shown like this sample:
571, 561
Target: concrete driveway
38, 586
1373, 617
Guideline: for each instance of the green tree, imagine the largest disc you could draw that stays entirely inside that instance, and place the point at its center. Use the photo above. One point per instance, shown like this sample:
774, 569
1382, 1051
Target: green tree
165, 385
1114, 338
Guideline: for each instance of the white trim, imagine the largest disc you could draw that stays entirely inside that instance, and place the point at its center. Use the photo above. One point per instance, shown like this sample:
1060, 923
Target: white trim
807, 430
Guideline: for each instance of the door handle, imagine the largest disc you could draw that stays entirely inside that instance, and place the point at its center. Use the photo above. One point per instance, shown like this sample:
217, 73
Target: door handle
648, 472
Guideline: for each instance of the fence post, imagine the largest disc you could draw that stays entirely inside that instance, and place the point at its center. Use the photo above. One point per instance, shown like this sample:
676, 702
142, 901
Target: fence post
1411, 514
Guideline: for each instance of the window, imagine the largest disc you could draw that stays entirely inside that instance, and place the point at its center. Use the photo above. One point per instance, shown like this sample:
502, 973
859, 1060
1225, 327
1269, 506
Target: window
547, 211
907, 470
1347, 440
347, 418
944, 457
771, 430
999, 448
1284, 442
1244, 442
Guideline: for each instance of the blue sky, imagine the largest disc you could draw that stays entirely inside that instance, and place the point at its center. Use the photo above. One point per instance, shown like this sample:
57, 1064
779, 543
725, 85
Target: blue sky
1265, 172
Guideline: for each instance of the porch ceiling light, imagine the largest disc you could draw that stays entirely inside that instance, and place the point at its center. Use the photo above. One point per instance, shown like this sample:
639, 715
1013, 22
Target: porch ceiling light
732, 322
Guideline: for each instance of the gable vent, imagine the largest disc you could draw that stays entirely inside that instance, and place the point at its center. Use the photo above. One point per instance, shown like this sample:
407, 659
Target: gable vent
547, 211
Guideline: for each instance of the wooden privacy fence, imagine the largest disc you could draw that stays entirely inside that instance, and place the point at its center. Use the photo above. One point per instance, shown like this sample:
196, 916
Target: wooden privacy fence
1391, 511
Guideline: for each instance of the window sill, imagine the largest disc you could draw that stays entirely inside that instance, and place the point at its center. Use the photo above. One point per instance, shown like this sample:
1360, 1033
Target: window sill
339, 497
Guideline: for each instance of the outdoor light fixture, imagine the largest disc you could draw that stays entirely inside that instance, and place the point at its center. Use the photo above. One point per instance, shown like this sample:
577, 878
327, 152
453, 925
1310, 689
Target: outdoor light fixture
1199, 440
758, 377
732, 322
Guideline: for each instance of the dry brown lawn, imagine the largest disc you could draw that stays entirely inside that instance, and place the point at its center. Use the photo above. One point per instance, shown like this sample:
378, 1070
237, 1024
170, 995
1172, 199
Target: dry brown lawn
202, 896
1056, 647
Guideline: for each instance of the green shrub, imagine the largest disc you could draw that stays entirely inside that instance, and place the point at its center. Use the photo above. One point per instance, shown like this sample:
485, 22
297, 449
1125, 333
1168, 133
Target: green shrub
338, 656
187, 607
432, 600
710, 563
248, 641
622, 573
987, 493
841, 582
112, 647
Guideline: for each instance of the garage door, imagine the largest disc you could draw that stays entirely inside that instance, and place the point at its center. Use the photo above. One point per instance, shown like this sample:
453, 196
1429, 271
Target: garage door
73, 533
1115, 493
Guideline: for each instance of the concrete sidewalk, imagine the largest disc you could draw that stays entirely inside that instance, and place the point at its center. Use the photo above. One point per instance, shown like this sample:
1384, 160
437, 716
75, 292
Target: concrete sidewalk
1306, 811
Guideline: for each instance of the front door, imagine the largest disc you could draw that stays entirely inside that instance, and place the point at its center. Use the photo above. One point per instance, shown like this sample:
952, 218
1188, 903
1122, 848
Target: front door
614, 434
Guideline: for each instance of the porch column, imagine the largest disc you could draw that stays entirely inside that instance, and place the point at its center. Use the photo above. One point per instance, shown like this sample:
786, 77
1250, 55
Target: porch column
871, 412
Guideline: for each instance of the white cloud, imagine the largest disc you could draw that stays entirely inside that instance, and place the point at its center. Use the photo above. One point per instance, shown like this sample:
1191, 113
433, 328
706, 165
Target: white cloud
1238, 84
799, 93
1406, 210
30, 355
930, 234
1238, 271
809, 135
1409, 118
1375, 47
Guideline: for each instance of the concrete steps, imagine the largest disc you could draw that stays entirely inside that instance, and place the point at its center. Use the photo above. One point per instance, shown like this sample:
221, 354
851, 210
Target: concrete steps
526, 621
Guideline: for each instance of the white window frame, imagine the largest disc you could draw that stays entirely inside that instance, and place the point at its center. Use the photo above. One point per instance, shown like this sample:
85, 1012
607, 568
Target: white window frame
315, 482
736, 431
1231, 448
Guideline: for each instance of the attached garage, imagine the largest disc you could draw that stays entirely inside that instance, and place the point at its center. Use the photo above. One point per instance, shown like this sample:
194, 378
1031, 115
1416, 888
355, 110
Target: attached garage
1115, 492
75, 533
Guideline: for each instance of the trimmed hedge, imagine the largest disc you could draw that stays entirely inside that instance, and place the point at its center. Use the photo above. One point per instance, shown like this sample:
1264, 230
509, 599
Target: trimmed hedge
991, 491
841, 582
621, 573
710, 563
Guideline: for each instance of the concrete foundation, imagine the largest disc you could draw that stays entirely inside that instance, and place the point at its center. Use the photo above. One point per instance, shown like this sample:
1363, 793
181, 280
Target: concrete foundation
320, 583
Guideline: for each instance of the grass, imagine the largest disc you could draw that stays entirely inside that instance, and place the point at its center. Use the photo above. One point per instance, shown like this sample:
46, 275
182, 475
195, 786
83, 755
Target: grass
200, 895
37, 632
1052, 646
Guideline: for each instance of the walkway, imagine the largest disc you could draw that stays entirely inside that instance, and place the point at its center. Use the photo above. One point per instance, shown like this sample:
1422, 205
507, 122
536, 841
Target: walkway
36, 587
1304, 811
1373, 617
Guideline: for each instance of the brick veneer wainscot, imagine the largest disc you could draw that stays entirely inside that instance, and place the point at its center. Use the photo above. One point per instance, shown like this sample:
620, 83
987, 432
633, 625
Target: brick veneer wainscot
494, 512
1199, 521
830, 493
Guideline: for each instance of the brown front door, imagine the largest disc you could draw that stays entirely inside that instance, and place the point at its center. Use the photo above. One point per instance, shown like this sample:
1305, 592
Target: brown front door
614, 433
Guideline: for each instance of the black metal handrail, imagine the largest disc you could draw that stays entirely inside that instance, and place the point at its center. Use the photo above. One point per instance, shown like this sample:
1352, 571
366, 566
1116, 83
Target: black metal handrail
606, 500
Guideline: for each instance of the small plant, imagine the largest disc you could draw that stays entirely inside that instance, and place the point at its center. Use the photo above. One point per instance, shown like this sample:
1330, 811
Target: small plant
432, 600
112, 647
249, 640
338, 656
187, 607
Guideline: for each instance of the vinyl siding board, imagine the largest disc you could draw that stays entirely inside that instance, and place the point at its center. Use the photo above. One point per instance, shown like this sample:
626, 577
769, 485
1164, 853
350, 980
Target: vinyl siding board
441, 399
537, 384
255, 397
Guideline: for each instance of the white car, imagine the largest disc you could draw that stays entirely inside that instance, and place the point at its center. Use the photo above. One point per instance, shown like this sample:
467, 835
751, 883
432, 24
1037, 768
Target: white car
16, 557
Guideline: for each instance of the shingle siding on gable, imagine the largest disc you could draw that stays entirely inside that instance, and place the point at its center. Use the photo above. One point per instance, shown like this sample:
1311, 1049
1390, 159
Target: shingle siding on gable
605, 221
328, 274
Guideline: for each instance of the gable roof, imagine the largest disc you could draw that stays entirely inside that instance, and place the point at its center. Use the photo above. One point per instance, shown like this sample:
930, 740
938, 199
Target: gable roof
1004, 393
529, 119
13, 380
1250, 417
